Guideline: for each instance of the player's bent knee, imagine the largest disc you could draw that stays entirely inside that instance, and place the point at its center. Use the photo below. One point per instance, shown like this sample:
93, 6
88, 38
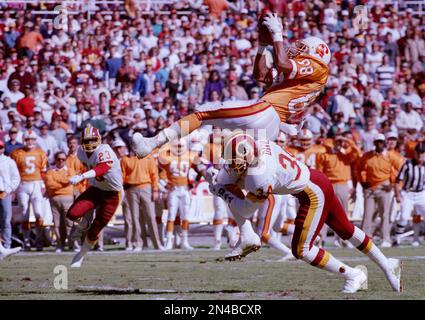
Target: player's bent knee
72, 214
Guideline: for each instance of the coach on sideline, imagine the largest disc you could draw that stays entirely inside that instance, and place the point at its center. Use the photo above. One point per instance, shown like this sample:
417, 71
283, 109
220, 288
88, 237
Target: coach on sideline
9, 182
140, 178
61, 197
412, 195
376, 171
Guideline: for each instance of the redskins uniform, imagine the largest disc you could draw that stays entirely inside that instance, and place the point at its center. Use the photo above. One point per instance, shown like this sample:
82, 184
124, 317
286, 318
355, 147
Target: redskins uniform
32, 164
271, 171
103, 194
177, 161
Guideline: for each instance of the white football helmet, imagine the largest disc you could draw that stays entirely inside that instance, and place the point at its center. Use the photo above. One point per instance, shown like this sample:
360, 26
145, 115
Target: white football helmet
30, 139
312, 46
305, 138
239, 151
178, 147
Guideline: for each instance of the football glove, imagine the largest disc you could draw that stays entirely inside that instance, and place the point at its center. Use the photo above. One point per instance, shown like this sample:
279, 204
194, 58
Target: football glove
76, 179
274, 24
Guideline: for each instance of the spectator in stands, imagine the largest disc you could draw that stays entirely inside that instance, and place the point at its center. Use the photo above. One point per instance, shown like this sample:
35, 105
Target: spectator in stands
409, 118
12, 144
213, 84
61, 197
14, 93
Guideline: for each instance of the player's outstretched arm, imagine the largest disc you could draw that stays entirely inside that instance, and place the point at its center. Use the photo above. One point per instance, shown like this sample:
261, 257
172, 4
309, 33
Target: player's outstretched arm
274, 24
98, 171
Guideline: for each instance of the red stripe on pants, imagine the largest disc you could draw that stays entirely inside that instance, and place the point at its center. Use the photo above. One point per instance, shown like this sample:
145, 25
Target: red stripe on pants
333, 213
105, 202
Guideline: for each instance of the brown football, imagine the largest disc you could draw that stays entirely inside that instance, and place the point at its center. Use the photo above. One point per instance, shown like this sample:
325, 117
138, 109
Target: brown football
264, 35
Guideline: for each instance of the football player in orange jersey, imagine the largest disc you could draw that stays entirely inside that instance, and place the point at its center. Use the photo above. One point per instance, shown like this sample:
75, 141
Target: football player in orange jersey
307, 150
302, 72
177, 162
32, 165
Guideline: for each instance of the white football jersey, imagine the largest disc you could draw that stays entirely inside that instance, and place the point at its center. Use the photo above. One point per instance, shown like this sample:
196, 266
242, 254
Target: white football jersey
111, 180
277, 172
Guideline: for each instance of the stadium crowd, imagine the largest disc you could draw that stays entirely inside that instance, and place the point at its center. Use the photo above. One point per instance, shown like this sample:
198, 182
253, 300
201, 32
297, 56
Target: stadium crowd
127, 71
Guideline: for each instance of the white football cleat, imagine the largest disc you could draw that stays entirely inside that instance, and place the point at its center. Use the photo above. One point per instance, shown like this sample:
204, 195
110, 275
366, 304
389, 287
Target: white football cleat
4, 253
137, 249
168, 243
235, 254
77, 260
393, 274
142, 146
416, 244
129, 249
185, 245
246, 245
287, 257
217, 245
385, 244
357, 282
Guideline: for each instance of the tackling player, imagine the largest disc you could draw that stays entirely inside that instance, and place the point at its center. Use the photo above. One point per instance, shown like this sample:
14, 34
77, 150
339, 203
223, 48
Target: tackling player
264, 169
104, 193
302, 72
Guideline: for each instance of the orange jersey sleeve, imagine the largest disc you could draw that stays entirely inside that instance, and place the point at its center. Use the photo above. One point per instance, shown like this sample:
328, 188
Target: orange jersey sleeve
31, 163
300, 88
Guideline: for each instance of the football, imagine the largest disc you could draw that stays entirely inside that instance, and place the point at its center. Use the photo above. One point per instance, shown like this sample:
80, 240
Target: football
264, 35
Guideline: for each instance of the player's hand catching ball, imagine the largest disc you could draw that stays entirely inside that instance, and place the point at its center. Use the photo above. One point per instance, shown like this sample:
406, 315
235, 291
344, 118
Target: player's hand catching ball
274, 24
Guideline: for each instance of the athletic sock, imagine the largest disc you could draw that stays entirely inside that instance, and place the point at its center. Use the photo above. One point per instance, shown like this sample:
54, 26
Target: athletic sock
361, 241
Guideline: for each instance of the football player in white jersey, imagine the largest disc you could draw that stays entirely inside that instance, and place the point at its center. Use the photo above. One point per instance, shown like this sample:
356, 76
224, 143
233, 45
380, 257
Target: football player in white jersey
104, 193
263, 168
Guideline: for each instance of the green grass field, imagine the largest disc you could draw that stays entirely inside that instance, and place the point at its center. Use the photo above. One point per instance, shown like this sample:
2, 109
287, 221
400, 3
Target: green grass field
196, 275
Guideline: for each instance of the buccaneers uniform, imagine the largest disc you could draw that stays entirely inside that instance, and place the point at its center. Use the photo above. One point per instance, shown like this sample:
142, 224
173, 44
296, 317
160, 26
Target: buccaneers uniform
177, 161
285, 102
32, 164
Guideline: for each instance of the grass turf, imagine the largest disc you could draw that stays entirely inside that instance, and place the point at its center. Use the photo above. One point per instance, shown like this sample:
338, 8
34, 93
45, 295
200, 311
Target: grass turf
196, 275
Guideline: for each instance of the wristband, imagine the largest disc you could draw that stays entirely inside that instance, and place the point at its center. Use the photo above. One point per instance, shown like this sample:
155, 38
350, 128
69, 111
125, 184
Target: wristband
277, 37
89, 174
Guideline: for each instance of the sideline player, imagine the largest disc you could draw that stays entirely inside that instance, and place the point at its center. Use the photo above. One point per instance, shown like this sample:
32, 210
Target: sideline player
32, 165
177, 161
104, 193
303, 72
264, 169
